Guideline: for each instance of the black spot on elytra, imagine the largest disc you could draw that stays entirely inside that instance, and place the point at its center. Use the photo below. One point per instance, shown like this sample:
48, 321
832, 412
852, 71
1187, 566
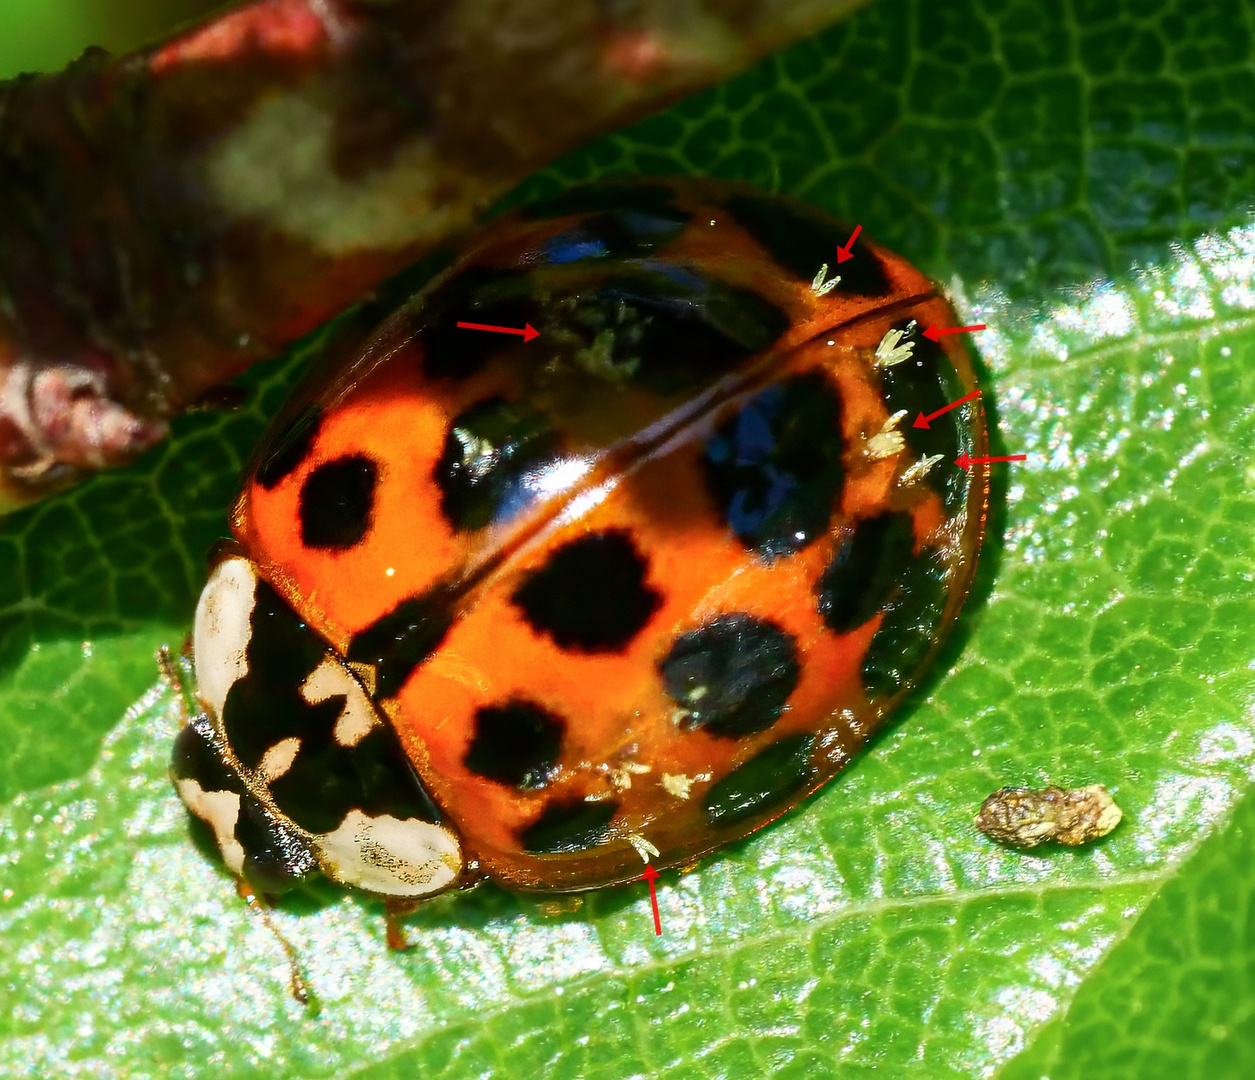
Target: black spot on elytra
478, 294
591, 595
866, 569
487, 455
908, 630
288, 448
666, 327
571, 826
516, 744
276, 857
775, 468
925, 383
802, 239
396, 643
732, 676
338, 502
773, 776
655, 200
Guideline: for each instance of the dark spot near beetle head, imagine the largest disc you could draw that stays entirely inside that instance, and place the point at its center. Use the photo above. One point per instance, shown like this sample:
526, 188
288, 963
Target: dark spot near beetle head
516, 744
288, 448
866, 568
569, 826
590, 596
732, 676
774, 467
338, 502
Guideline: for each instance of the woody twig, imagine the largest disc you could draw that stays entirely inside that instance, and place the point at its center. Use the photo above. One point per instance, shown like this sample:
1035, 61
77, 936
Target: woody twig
171, 217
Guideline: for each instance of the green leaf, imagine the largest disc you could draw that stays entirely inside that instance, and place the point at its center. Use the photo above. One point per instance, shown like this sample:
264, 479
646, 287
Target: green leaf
1174, 998
1079, 176
45, 35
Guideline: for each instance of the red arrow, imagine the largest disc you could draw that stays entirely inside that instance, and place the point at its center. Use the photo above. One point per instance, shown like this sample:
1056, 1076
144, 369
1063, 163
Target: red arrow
965, 462
528, 332
932, 333
923, 421
844, 253
651, 875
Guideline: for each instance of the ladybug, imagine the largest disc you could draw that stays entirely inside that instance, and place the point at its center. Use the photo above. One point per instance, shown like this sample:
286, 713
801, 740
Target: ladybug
624, 585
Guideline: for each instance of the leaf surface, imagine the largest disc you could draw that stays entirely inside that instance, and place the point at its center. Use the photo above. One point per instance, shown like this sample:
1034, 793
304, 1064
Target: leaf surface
1079, 176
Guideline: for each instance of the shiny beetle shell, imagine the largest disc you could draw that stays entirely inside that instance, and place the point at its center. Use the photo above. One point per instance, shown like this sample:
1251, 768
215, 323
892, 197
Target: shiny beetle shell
534, 608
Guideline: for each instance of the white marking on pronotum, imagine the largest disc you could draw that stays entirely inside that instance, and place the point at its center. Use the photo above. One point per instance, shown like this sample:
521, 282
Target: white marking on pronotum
278, 759
919, 469
643, 847
390, 856
819, 286
219, 810
888, 441
892, 350
222, 629
357, 718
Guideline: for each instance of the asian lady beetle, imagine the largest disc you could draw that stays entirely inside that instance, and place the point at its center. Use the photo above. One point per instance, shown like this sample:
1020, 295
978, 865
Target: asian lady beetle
529, 609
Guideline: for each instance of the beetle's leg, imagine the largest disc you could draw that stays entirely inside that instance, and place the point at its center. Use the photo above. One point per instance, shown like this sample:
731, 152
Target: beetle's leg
395, 909
177, 675
298, 985
165, 664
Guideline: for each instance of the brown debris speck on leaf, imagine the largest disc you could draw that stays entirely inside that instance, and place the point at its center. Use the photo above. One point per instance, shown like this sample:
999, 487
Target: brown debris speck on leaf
1025, 817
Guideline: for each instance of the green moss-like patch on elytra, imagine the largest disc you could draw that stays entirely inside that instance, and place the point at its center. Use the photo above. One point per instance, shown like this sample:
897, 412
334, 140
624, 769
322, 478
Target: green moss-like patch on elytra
1080, 175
